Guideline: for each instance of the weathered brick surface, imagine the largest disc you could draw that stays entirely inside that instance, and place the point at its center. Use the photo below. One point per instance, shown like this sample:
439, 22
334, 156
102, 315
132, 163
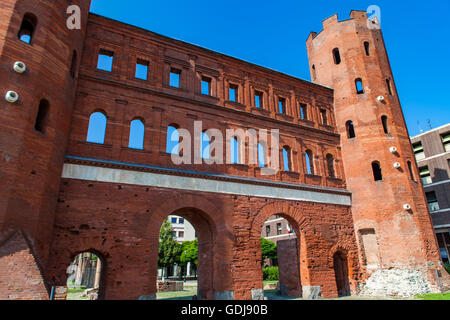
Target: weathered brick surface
121, 223
20, 275
405, 238
289, 269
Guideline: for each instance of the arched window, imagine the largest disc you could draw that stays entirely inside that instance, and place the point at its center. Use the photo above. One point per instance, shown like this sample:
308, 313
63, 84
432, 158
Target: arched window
137, 130
97, 128
42, 116
173, 139
359, 86
385, 124
336, 56
205, 146
234, 150
367, 48
73, 66
376, 168
313, 72
286, 158
330, 166
27, 28
350, 129
309, 162
261, 156
411, 173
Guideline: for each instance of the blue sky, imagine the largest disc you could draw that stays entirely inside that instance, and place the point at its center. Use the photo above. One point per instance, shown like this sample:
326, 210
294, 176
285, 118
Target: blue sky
273, 34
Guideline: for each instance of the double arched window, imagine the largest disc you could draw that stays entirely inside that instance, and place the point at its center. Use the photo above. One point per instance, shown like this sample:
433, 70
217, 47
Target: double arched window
97, 128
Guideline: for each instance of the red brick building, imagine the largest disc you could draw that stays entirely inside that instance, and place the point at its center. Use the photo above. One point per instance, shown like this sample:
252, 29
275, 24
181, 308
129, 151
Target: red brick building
62, 195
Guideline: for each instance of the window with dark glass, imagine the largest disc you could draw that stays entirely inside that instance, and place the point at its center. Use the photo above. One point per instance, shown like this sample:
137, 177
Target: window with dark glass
279, 229
446, 141
432, 201
267, 231
425, 175
418, 151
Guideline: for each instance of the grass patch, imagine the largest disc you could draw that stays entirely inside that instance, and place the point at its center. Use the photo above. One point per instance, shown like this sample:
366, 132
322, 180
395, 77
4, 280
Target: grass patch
434, 296
186, 294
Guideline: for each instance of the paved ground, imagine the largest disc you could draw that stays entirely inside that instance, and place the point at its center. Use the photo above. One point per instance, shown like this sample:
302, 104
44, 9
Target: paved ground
190, 289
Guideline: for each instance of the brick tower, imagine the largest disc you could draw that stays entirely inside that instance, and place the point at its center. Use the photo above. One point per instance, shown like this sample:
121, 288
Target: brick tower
392, 223
33, 131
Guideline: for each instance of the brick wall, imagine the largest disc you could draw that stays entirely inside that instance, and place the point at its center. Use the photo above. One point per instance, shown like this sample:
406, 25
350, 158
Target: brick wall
20, 275
289, 268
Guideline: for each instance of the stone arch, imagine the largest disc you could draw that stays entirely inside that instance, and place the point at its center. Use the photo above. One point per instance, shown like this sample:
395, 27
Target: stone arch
56, 272
104, 264
198, 212
297, 271
293, 215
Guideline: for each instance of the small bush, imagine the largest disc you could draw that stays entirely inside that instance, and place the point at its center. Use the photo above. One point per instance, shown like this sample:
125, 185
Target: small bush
271, 273
447, 267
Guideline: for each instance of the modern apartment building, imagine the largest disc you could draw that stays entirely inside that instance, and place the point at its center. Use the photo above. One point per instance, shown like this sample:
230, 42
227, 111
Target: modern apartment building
277, 228
432, 152
182, 229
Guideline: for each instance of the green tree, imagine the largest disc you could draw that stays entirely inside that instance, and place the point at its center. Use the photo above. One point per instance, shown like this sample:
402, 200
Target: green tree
189, 252
169, 250
268, 250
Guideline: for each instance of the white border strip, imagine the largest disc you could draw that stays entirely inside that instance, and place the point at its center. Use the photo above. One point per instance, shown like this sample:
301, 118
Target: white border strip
100, 174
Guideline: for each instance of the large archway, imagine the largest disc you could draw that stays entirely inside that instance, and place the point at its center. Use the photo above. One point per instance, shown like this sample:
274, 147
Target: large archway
205, 236
289, 248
